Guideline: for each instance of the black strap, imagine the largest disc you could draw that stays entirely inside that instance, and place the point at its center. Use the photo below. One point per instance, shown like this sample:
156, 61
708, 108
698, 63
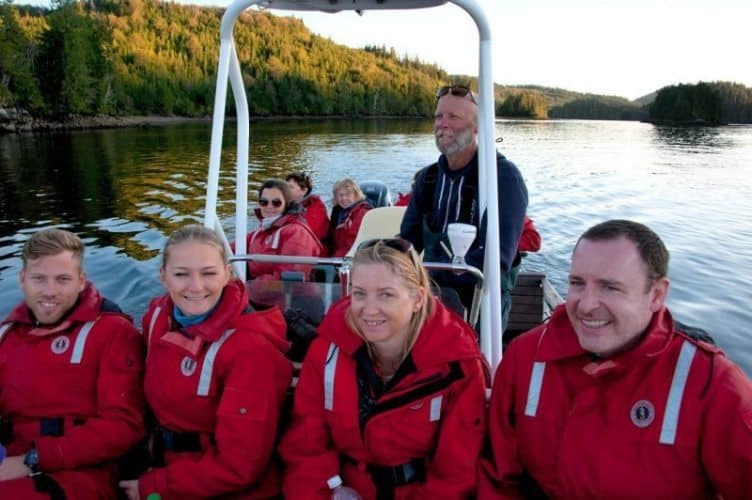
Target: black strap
694, 332
428, 191
48, 426
6, 431
387, 478
44, 483
176, 442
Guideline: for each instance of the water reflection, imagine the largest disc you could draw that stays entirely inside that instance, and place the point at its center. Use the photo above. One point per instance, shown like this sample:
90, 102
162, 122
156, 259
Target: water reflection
692, 139
125, 191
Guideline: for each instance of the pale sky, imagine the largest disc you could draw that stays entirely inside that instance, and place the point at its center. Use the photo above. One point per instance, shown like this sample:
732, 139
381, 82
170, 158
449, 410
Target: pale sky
616, 47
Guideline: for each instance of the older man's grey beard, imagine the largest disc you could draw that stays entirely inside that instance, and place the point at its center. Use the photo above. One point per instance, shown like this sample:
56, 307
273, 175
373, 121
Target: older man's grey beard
461, 140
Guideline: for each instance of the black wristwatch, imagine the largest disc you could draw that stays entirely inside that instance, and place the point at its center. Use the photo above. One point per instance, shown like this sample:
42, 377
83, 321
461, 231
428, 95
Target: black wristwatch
31, 460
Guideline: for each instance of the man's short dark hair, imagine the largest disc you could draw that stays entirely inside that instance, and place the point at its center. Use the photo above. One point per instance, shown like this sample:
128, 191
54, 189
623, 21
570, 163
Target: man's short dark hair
301, 179
652, 250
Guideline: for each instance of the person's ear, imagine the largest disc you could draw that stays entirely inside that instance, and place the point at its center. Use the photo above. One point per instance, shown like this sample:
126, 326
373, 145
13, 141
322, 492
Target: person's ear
658, 293
419, 299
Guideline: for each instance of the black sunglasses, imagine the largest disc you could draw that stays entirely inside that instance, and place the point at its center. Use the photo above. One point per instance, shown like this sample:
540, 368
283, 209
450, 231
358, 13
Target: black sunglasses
276, 202
455, 90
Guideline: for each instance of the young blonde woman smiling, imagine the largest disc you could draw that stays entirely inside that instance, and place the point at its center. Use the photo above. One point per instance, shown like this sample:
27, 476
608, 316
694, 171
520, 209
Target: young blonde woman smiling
216, 377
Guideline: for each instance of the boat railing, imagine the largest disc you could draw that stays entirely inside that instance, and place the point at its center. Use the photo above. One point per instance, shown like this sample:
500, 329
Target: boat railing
343, 264
229, 77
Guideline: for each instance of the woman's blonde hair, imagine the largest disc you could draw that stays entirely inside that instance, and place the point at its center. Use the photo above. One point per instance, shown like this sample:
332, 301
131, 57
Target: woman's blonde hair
351, 185
400, 258
194, 232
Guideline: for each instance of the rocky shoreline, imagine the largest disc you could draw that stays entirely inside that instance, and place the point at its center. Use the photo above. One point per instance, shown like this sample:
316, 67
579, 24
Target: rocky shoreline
13, 120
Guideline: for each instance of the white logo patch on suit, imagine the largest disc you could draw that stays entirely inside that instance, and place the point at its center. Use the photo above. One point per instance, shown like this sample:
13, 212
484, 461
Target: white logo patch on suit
188, 366
642, 413
60, 344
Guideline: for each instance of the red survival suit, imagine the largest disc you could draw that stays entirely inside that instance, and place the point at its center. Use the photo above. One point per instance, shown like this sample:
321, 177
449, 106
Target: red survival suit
670, 418
316, 215
428, 423
216, 389
342, 235
75, 390
288, 235
530, 239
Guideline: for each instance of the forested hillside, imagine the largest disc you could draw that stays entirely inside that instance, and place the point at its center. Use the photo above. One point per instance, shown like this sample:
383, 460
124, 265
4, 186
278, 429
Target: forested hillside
149, 57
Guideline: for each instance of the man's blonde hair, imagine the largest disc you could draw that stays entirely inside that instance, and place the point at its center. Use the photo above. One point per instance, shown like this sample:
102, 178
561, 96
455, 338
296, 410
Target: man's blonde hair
52, 241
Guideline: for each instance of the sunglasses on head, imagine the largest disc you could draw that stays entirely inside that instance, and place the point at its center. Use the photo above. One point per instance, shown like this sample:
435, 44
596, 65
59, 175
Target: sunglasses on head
276, 202
398, 244
455, 90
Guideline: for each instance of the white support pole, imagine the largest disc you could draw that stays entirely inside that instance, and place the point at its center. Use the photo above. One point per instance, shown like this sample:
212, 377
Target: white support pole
241, 172
488, 197
228, 70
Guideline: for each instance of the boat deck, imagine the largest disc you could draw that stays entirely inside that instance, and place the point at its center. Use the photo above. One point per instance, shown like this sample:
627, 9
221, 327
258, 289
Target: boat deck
533, 300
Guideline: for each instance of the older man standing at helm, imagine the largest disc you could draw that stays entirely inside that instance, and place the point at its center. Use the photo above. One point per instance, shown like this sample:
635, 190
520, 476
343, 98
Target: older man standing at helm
447, 191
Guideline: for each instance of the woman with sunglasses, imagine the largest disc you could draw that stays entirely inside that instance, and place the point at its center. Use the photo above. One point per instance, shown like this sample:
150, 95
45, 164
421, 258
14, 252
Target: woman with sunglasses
216, 378
347, 214
391, 397
282, 231
314, 209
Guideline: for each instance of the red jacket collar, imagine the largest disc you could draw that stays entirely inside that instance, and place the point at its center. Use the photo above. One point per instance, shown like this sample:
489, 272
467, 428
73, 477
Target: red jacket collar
231, 304
86, 309
228, 314
558, 340
443, 338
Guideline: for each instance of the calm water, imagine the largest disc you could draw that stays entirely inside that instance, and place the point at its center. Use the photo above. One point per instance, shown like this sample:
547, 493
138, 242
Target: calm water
125, 190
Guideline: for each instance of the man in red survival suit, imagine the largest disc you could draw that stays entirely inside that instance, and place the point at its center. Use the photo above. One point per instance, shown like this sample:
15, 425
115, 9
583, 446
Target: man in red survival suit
612, 397
71, 397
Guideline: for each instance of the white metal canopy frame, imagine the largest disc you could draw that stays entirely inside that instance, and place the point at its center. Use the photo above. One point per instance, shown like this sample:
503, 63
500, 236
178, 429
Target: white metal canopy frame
229, 71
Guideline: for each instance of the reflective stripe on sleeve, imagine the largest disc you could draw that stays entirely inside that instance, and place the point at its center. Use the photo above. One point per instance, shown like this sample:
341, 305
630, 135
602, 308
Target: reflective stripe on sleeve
435, 409
78, 347
204, 381
329, 370
533, 392
152, 321
275, 239
4, 329
676, 393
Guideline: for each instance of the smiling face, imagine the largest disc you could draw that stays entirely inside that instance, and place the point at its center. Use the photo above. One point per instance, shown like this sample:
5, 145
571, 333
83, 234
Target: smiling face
382, 304
455, 124
194, 275
271, 202
345, 197
610, 300
51, 285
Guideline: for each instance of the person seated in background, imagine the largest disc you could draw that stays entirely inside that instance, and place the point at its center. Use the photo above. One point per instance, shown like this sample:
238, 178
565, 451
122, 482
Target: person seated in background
403, 199
350, 207
613, 398
216, 379
71, 368
530, 242
314, 209
282, 231
391, 397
